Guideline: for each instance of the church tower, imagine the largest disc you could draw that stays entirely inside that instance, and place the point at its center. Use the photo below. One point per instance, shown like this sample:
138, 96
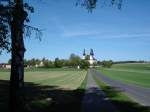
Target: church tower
91, 54
84, 54
89, 57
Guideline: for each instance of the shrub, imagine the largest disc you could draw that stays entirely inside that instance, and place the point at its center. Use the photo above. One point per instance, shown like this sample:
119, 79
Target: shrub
84, 64
107, 64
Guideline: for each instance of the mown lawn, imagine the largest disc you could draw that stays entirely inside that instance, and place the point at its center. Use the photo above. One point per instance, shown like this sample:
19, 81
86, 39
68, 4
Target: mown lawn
138, 74
47, 90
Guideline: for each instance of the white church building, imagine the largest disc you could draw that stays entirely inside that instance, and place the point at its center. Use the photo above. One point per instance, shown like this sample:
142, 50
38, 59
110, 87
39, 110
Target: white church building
89, 57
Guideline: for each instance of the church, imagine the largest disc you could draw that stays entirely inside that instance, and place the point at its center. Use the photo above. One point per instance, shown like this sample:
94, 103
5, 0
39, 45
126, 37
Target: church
89, 57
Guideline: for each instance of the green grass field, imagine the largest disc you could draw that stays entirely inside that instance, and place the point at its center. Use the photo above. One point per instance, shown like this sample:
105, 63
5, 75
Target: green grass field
63, 79
64, 87
138, 74
119, 99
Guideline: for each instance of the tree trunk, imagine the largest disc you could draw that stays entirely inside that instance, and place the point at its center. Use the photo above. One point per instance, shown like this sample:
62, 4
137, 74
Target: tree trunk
17, 56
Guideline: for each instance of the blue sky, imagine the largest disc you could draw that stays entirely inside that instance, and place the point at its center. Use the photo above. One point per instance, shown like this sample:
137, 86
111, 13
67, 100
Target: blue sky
112, 33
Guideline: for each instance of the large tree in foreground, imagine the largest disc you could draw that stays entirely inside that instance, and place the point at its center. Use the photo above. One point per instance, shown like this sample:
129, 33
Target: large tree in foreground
13, 15
19, 15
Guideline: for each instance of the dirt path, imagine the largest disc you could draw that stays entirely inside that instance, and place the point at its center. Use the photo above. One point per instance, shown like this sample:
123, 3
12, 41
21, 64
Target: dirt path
95, 100
138, 94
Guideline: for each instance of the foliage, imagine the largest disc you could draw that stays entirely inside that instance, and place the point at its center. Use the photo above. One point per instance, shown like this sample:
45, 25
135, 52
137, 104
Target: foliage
4, 40
107, 64
88, 4
9, 61
4, 28
84, 64
99, 63
91, 4
32, 62
9, 11
74, 60
58, 63
133, 61
95, 64
48, 64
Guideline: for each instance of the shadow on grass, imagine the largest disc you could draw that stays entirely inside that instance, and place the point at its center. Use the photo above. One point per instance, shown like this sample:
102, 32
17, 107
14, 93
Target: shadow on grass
122, 102
41, 98
4, 95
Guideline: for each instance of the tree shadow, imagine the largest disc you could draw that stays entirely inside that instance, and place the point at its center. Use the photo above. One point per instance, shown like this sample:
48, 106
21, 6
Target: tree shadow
122, 102
4, 95
42, 98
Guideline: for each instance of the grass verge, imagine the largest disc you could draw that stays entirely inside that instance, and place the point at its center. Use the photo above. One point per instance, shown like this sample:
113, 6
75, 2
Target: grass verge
119, 99
83, 84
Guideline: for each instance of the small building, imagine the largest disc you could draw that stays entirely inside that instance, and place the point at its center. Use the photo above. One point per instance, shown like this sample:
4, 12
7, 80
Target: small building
5, 66
41, 64
78, 67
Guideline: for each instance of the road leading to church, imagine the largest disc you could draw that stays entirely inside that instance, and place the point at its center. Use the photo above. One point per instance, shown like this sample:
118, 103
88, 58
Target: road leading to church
95, 100
138, 94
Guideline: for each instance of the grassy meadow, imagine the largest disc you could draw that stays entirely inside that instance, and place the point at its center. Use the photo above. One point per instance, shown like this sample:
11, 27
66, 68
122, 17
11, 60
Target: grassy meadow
47, 89
137, 74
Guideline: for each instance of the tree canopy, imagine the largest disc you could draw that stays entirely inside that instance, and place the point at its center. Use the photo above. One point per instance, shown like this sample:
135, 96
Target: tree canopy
8, 12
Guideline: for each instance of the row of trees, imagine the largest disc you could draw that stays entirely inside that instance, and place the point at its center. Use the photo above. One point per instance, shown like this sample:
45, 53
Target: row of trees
74, 61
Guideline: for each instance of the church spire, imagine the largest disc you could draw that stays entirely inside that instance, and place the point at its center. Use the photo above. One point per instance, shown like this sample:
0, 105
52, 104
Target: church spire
91, 52
84, 52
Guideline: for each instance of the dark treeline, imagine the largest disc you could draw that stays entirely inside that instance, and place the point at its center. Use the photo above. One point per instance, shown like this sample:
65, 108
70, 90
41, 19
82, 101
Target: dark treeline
121, 62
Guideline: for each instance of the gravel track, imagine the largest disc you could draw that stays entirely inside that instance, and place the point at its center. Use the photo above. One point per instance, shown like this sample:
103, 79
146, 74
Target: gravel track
95, 99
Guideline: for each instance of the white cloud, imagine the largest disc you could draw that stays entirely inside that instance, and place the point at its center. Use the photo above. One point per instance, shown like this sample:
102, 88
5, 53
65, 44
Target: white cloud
79, 30
79, 33
124, 35
86, 30
100, 34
